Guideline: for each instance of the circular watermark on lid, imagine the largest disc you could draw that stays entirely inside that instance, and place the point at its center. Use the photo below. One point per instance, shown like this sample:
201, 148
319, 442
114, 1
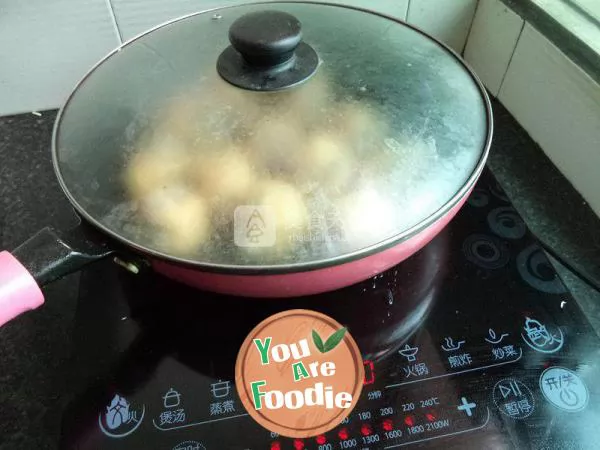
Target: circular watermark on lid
299, 373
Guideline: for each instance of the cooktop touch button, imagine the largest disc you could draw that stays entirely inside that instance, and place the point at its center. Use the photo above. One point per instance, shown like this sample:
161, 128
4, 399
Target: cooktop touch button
542, 337
513, 398
564, 389
120, 417
466, 406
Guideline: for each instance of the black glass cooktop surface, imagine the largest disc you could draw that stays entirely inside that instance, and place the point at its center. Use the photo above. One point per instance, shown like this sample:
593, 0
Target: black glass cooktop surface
472, 343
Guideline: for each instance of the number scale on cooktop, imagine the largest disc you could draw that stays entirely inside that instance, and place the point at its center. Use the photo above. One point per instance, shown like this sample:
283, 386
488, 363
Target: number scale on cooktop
472, 343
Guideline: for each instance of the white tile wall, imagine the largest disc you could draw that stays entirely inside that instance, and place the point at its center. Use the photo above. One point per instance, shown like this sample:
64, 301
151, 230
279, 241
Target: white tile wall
559, 106
136, 16
492, 40
447, 20
46, 47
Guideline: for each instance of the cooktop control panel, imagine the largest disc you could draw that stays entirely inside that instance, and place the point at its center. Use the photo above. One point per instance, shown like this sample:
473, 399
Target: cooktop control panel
472, 343
492, 389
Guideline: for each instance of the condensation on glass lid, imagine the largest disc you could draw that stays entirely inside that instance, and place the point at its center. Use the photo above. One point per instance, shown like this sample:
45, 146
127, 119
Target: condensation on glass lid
324, 166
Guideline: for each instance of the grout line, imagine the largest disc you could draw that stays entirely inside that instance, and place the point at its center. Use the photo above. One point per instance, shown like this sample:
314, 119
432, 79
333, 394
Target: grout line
114, 21
511, 58
462, 52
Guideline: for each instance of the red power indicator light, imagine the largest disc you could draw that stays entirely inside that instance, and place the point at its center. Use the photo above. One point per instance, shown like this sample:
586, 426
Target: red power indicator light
321, 439
409, 421
388, 425
298, 444
369, 372
343, 434
430, 417
366, 429
275, 446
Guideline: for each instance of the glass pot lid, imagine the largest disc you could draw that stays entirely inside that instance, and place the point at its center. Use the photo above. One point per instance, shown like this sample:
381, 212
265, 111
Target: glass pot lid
280, 135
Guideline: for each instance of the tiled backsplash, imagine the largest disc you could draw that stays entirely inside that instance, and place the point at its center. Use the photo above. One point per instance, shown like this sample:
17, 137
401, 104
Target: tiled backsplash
449, 21
551, 96
136, 16
47, 46
492, 42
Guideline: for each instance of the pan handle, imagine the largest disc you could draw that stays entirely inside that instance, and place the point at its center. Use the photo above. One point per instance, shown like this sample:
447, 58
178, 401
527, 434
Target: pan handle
42, 259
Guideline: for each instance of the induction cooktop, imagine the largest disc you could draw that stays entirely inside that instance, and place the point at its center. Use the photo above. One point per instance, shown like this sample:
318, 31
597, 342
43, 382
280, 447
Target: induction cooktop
474, 342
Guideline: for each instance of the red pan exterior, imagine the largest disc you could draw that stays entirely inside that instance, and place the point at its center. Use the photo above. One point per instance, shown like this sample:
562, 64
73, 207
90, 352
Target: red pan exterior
295, 284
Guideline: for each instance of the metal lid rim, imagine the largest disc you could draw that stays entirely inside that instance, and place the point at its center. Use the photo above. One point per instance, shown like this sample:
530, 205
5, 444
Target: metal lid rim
283, 268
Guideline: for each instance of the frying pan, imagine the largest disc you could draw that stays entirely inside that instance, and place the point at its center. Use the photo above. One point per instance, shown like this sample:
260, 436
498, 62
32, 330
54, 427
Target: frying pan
417, 83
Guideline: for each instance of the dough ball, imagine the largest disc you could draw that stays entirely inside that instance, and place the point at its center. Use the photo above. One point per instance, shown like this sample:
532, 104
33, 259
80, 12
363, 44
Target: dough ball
364, 132
181, 118
367, 217
326, 158
410, 163
181, 216
158, 166
218, 93
286, 203
213, 111
323, 152
310, 101
359, 123
276, 146
231, 110
226, 175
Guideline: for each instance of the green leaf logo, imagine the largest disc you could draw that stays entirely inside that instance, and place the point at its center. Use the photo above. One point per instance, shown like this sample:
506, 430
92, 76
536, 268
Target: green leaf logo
331, 342
318, 341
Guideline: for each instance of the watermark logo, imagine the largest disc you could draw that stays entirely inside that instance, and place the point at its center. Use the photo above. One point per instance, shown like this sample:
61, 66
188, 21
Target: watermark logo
254, 226
320, 227
299, 373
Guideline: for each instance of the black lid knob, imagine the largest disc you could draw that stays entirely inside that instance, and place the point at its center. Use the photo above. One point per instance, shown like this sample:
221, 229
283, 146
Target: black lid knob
266, 38
267, 52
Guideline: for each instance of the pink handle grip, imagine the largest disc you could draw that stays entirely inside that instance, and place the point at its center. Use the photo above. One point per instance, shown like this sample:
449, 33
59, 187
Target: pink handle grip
18, 290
